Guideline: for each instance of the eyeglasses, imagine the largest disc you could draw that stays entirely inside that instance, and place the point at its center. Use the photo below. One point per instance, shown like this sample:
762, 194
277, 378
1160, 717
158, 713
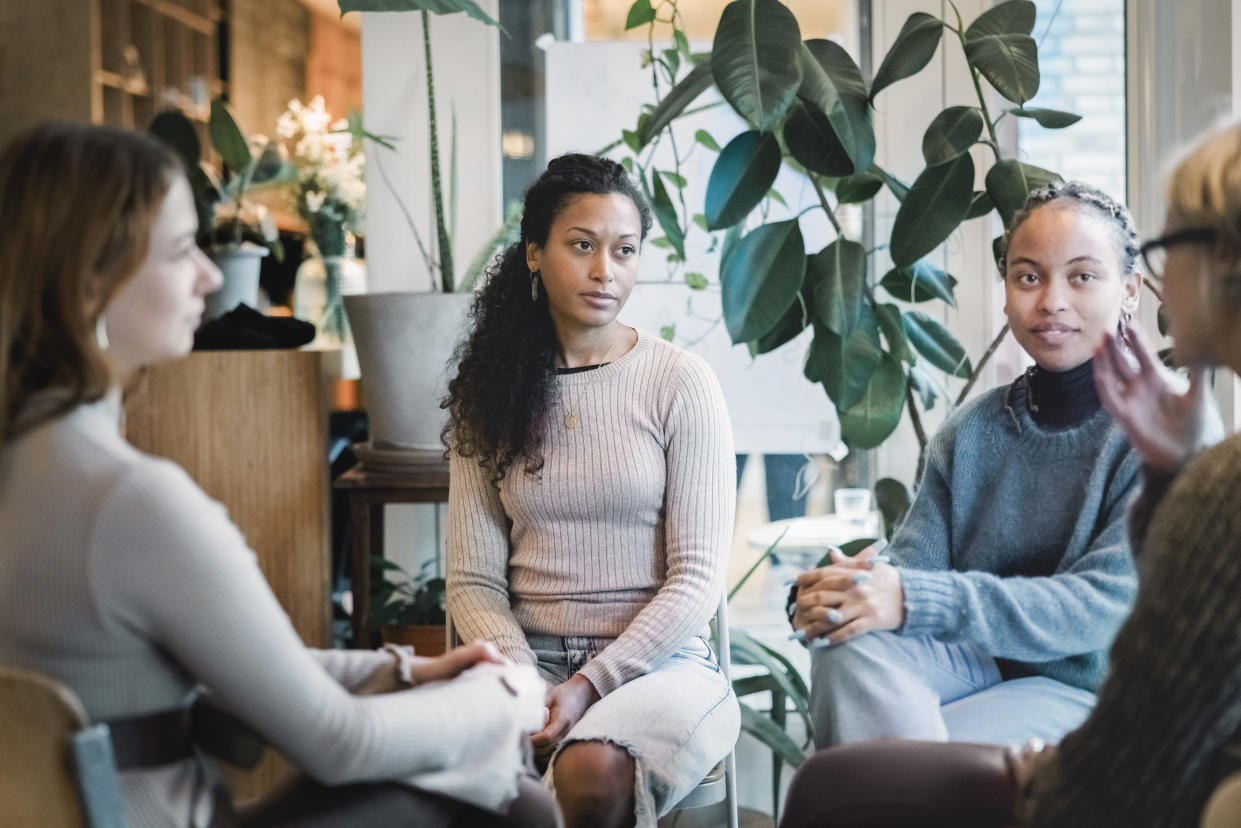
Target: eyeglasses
1155, 251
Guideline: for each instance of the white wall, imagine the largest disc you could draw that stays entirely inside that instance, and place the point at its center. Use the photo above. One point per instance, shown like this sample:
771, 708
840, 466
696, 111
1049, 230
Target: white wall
1182, 80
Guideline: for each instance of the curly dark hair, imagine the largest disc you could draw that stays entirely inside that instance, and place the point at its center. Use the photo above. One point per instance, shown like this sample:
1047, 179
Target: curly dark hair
1124, 233
506, 364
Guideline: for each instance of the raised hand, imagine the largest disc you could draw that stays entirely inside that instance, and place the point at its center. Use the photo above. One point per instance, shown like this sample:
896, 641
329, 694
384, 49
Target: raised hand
1164, 425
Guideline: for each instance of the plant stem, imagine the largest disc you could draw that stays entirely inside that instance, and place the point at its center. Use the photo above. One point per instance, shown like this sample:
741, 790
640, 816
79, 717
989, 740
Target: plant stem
818, 189
766, 554
445, 245
916, 419
986, 356
994, 143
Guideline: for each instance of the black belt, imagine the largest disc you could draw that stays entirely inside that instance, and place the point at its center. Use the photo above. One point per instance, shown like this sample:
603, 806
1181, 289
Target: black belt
173, 735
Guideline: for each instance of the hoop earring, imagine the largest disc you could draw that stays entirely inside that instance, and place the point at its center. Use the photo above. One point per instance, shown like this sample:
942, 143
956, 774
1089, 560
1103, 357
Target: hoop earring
101, 332
534, 286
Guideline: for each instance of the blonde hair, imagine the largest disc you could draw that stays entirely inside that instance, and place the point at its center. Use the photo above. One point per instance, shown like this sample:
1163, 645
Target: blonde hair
1204, 191
77, 206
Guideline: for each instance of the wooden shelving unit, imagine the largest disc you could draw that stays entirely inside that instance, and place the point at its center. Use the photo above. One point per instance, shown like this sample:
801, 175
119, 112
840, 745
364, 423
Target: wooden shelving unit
114, 62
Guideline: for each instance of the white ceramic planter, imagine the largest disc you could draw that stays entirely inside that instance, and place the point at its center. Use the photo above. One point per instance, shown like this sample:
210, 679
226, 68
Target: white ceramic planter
240, 266
405, 344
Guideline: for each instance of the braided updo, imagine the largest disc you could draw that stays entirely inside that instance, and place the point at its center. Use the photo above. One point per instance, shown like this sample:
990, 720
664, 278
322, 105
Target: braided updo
1083, 196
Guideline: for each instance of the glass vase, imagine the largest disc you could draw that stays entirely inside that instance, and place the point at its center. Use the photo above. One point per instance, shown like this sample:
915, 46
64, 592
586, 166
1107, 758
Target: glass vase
321, 283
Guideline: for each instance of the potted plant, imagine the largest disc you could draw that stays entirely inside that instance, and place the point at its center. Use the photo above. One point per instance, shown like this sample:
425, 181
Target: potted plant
409, 609
235, 233
406, 340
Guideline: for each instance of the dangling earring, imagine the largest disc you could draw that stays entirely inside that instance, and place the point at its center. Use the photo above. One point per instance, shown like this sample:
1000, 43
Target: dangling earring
101, 332
534, 286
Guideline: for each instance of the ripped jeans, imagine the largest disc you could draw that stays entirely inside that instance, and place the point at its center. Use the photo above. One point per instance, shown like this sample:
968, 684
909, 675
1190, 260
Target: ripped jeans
676, 721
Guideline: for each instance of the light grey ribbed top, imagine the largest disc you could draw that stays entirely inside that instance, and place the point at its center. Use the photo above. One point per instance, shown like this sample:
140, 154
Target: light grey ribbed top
624, 533
120, 578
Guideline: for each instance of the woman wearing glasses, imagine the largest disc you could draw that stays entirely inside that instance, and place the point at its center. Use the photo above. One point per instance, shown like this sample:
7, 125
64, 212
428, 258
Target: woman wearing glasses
1164, 732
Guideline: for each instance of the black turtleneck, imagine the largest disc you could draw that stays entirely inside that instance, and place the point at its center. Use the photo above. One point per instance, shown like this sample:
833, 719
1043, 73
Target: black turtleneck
1062, 400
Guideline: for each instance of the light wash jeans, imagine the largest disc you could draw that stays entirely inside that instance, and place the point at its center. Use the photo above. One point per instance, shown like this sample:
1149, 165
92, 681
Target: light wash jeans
677, 721
885, 685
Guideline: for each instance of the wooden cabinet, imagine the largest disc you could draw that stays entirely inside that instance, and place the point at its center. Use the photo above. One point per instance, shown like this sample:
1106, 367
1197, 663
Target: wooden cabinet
251, 428
114, 62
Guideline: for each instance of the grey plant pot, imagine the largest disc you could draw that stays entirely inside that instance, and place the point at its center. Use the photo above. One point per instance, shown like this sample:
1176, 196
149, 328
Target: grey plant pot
240, 266
405, 344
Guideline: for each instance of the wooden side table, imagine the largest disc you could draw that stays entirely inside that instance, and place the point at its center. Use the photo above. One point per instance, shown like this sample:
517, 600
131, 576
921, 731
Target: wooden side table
369, 491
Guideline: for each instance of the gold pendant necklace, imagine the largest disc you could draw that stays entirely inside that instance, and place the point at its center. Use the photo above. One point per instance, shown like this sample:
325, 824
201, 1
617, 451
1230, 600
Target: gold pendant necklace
571, 420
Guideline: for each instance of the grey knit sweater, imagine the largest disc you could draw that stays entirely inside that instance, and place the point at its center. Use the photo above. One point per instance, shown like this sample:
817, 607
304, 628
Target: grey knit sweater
624, 533
1165, 729
1016, 540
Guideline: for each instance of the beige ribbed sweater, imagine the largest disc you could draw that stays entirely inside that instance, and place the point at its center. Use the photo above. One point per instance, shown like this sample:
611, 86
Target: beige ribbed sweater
120, 578
625, 532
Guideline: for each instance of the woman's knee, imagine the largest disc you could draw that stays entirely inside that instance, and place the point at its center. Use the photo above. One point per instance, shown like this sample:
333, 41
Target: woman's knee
593, 775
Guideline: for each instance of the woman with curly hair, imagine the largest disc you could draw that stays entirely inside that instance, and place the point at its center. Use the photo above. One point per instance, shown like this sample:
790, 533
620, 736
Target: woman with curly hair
591, 506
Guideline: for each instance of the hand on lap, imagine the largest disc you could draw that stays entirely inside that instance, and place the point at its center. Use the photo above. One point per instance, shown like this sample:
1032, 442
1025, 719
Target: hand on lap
566, 704
849, 597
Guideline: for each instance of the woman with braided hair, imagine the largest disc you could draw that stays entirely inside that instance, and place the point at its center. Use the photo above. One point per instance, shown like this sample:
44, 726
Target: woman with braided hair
1011, 572
591, 506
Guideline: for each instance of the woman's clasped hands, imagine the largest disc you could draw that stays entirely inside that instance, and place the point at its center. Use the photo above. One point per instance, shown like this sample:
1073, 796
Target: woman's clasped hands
850, 596
566, 704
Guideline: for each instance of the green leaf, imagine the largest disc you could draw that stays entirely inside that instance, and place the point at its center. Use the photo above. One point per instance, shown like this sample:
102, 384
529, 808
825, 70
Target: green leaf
673, 58
766, 731
676, 179
1049, 118
937, 344
627, 163
1009, 182
640, 13
889, 318
839, 66
935, 205
667, 332
682, 41
794, 321
434, 6
919, 282
914, 47
176, 132
760, 278
813, 143
842, 117
662, 242
859, 187
632, 140
227, 138
870, 420
952, 132
750, 59
674, 103
785, 675
898, 188
922, 384
774, 195
999, 46
980, 205
742, 175
696, 281
837, 275
892, 500
666, 215
701, 221
845, 365
703, 137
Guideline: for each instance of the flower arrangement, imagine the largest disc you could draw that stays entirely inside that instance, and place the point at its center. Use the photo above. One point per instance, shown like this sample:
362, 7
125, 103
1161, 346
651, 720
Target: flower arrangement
330, 190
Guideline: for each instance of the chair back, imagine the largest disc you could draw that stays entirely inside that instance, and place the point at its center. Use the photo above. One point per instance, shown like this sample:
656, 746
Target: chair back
55, 768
